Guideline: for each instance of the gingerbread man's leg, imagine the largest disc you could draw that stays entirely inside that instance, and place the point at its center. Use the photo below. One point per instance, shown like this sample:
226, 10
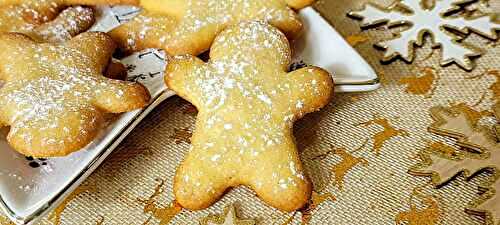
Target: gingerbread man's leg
287, 21
55, 135
277, 176
101, 47
181, 78
136, 35
197, 184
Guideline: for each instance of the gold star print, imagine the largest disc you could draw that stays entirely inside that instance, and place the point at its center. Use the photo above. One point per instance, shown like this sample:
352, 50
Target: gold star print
228, 218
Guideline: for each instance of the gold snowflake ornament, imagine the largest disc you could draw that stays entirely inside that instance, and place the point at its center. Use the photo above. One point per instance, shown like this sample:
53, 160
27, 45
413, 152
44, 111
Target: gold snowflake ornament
437, 20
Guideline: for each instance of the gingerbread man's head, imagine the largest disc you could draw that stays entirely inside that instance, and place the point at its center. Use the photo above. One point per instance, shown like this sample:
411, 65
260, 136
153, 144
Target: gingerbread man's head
247, 103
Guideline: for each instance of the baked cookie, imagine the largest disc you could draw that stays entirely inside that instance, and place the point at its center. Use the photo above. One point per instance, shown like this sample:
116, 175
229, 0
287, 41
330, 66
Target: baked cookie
54, 96
247, 105
44, 20
189, 26
49, 20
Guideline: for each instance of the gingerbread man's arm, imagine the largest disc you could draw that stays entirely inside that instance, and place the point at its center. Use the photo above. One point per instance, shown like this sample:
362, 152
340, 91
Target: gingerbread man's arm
312, 88
69, 23
181, 78
112, 96
97, 46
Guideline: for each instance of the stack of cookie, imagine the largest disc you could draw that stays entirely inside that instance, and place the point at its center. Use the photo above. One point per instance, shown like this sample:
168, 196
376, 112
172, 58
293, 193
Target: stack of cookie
59, 86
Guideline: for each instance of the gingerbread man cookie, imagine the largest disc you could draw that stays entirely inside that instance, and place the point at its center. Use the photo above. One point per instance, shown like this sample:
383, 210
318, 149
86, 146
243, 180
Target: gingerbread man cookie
190, 26
41, 20
54, 97
247, 105
49, 20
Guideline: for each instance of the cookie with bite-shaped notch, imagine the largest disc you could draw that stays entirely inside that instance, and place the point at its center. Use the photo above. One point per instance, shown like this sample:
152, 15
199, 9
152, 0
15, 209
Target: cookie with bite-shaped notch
190, 26
54, 97
247, 104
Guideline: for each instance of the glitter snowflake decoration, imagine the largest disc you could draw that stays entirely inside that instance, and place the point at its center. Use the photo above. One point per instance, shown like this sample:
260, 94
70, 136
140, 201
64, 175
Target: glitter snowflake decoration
439, 20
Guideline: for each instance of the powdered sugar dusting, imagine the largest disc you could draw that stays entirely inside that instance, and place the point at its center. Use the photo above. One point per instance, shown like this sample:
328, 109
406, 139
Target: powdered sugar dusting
176, 32
69, 23
54, 96
45, 20
248, 103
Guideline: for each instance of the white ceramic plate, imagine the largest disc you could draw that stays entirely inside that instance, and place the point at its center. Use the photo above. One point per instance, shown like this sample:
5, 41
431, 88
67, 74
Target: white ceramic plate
28, 193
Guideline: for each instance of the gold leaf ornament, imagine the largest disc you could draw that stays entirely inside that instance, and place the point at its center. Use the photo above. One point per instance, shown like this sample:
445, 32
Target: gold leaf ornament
436, 20
483, 153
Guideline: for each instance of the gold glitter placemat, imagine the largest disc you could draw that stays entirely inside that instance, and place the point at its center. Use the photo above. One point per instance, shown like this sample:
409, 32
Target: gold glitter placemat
357, 150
